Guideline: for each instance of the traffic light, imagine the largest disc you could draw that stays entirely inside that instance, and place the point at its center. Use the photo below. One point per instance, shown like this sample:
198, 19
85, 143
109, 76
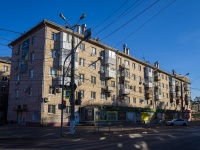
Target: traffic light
79, 100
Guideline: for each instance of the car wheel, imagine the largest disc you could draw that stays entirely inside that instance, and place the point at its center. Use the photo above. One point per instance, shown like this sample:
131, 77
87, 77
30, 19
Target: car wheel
171, 124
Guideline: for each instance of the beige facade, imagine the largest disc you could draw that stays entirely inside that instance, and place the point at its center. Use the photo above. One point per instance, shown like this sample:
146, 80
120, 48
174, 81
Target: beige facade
118, 80
4, 85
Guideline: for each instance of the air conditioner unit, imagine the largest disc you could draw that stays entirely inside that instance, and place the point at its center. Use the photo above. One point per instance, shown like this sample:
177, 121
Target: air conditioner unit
46, 99
16, 82
16, 67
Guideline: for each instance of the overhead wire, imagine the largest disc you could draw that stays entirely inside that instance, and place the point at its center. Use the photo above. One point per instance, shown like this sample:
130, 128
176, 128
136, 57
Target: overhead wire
131, 19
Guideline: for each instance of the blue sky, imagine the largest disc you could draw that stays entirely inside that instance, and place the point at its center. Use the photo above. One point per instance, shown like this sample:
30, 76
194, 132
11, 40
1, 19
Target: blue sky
152, 29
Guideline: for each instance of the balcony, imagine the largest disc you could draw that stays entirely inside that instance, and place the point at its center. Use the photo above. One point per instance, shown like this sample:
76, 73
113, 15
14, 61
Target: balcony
110, 88
109, 60
157, 78
186, 87
149, 95
149, 84
178, 94
149, 90
125, 66
158, 97
125, 78
110, 74
172, 89
148, 72
125, 91
66, 81
172, 99
178, 101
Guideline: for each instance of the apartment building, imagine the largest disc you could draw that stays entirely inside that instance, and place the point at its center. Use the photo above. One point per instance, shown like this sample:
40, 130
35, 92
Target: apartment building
4, 84
118, 87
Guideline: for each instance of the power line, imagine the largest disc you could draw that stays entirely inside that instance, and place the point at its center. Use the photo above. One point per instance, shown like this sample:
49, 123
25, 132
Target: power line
111, 15
131, 19
146, 23
116, 19
11, 31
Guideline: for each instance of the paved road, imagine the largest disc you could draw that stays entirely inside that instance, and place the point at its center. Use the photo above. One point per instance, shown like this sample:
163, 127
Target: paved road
140, 138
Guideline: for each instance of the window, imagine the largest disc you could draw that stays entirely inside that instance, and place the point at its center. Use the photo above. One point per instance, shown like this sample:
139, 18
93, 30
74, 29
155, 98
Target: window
111, 54
81, 62
20, 47
166, 78
33, 40
162, 76
52, 109
5, 68
53, 53
52, 90
53, 36
103, 82
140, 79
68, 109
134, 77
16, 93
163, 94
18, 63
163, 86
113, 83
29, 90
134, 88
17, 77
31, 73
126, 62
93, 80
133, 65
134, 100
93, 65
32, 56
52, 72
140, 89
3, 89
94, 51
82, 93
103, 95
145, 102
93, 95
167, 95
4, 78
119, 61
139, 68
82, 46
166, 86
82, 77
128, 99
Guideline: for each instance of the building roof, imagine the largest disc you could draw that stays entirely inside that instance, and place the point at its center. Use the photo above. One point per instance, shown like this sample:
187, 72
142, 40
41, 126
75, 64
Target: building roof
5, 59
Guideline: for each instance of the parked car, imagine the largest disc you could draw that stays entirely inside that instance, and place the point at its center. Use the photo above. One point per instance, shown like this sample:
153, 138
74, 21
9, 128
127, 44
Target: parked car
179, 122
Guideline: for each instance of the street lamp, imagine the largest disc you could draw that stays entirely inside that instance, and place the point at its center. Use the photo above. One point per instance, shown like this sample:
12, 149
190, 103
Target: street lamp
72, 85
182, 94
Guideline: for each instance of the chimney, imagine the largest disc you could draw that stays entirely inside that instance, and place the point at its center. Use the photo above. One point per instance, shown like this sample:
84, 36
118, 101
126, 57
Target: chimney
83, 28
79, 29
124, 48
127, 51
156, 64
173, 72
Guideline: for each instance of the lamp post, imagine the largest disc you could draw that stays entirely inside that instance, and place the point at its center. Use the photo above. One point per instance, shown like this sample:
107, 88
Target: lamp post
72, 85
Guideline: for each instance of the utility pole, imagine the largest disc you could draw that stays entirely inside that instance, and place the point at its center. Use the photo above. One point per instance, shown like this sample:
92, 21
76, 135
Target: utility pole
72, 99
87, 36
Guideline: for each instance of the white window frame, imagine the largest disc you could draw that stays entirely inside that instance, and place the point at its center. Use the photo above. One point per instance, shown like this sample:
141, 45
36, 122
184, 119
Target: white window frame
51, 109
93, 95
81, 62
